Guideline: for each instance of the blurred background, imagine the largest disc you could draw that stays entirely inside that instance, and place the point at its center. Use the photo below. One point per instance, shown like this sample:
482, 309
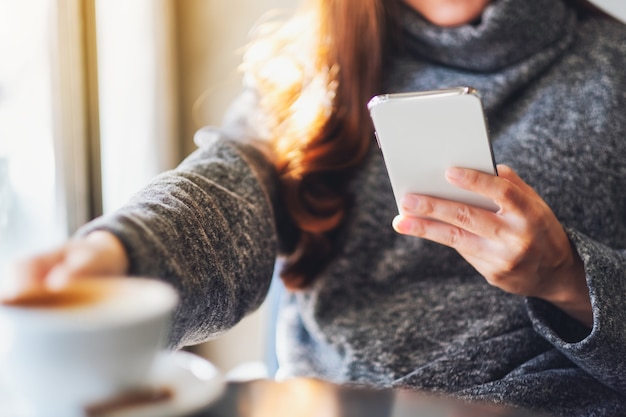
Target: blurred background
97, 97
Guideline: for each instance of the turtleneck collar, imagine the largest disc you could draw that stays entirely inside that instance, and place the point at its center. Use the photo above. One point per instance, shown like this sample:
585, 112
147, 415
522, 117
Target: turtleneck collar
509, 31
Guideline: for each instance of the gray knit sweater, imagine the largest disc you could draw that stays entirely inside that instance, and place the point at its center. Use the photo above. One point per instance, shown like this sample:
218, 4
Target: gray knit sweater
393, 310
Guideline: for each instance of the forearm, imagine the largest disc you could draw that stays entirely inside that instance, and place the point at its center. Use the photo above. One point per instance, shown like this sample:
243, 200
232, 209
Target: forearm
571, 294
207, 228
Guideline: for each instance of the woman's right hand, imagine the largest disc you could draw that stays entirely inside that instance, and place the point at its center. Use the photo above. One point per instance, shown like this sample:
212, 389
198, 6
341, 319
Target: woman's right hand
99, 253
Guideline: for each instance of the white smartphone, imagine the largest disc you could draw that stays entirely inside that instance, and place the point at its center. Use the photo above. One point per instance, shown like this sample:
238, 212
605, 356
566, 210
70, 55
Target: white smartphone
422, 134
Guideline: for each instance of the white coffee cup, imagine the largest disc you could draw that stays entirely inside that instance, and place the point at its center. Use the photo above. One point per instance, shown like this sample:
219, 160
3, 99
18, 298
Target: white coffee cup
86, 344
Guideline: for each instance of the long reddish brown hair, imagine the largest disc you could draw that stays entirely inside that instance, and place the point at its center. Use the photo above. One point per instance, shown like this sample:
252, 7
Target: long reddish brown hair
315, 74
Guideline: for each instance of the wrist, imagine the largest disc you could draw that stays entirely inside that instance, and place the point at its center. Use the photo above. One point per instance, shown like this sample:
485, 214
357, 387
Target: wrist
572, 295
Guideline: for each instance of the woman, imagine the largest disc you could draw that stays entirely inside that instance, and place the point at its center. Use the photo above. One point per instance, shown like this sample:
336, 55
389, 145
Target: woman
524, 306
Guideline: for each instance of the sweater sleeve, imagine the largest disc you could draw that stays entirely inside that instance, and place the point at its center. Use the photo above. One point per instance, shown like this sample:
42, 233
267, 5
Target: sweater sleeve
207, 227
601, 352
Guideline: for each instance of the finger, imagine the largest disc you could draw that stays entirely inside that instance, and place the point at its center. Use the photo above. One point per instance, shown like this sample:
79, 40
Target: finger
445, 234
472, 219
503, 192
27, 276
36, 268
58, 277
96, 255
486, 256
81, 260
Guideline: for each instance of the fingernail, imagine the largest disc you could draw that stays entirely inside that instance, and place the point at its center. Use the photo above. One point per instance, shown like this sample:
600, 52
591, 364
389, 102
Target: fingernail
455, 173
401, 225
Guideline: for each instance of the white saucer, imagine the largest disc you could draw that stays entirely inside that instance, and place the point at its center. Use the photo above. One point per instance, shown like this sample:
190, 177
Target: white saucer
193, 381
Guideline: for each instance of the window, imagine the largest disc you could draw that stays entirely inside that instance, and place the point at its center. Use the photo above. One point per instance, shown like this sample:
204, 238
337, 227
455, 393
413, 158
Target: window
49, 163
137, 95
30, 214
114, 84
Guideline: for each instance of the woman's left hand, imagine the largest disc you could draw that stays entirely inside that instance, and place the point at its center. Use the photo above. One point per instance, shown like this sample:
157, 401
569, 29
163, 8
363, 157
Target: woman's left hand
522, 248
